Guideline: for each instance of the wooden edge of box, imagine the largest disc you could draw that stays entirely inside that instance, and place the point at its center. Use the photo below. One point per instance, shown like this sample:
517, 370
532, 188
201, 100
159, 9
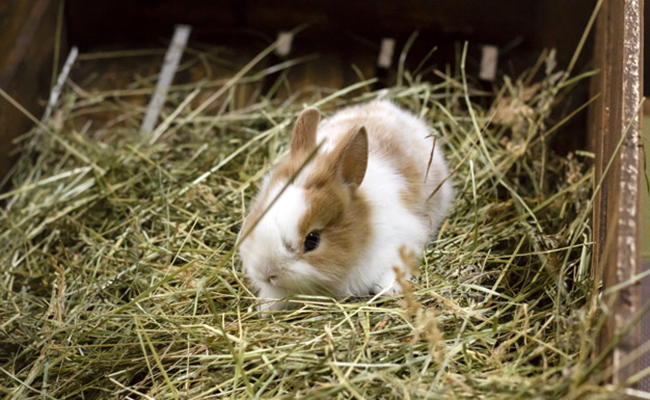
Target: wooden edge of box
614, 134
26, 71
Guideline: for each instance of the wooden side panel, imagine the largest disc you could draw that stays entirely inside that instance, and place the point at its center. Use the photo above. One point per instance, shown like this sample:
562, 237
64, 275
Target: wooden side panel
26, 58
98, 22
618, 54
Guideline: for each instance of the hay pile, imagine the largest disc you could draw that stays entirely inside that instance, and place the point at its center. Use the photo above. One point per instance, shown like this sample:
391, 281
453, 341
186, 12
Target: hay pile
120, 277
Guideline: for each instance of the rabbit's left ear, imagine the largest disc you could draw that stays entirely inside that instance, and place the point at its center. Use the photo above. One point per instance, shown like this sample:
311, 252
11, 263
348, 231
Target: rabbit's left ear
303, 139
351, 158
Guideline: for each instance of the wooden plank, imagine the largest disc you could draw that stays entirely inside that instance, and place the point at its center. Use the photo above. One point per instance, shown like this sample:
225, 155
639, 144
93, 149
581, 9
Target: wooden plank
56, 92
169, 67
26, 36
618, 54
26, 71
214, 19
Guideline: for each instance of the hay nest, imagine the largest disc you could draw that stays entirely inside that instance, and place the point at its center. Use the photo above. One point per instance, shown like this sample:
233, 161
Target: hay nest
120, 277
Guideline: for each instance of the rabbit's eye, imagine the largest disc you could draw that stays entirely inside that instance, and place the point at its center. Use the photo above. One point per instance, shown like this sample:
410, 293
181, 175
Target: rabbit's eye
311, 241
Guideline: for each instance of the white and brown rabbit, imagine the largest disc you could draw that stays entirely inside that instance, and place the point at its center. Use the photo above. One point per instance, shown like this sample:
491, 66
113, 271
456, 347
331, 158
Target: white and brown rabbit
337, 229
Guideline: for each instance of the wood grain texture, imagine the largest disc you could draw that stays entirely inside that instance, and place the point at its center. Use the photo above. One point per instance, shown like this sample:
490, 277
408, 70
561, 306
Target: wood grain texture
615, 119
25, 68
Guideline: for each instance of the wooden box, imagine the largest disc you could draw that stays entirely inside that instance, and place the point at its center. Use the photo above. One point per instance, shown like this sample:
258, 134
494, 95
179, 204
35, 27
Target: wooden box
35, 32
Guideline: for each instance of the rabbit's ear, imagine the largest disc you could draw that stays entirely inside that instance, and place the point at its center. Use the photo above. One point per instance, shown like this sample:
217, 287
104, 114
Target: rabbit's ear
351, 157
303, 139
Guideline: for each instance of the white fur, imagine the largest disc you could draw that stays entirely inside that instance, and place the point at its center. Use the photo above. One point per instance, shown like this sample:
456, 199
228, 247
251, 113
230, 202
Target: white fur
393, 225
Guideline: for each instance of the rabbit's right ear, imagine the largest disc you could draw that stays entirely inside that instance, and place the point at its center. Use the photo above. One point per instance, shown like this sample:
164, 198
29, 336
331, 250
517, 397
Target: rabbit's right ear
303, 138
351, 158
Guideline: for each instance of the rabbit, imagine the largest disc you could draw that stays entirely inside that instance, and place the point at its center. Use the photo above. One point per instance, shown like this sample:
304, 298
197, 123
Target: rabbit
338, 224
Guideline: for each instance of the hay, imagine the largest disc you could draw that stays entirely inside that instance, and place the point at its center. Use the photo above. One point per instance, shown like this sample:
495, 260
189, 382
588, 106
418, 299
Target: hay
120, 277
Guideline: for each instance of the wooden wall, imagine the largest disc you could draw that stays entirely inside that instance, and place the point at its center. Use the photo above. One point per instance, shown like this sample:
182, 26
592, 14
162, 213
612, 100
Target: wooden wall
614, 135
26, 58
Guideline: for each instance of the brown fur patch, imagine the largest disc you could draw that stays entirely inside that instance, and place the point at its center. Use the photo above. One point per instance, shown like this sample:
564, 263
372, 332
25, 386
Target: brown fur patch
303, 138
342, 216
337, 209
391, 147
351, 156
283, 171
405, 165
